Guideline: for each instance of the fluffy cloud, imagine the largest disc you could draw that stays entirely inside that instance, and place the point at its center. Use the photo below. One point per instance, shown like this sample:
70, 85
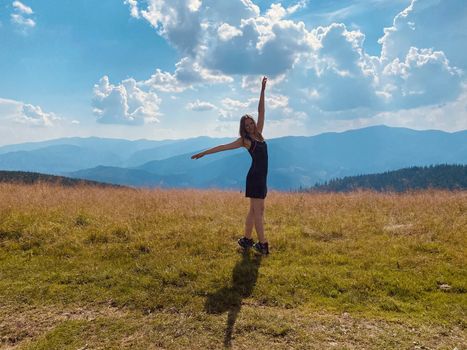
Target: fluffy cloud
27, 114
342, 74
230, 36
177, 20
227, 32
125, 103
439, 25
200, 106
267, 45
186, 74
322, 71
344, 77
20, 16
411, 83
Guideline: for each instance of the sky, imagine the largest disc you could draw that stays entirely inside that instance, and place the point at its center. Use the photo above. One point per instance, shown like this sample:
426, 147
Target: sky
159, 69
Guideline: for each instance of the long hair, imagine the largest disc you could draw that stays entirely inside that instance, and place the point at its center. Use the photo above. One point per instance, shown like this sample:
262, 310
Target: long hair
242, 131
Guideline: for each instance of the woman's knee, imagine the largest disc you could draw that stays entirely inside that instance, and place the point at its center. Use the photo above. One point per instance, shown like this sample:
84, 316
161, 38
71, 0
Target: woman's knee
259, 207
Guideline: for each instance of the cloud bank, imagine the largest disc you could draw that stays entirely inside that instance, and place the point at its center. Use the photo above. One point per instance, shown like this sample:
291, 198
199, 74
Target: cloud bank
321, 72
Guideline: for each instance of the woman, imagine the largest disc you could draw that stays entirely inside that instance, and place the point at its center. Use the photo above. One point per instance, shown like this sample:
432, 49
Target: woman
252, 139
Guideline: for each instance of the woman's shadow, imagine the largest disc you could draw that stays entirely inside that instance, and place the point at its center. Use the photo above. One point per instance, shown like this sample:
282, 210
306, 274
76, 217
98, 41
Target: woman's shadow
244, 276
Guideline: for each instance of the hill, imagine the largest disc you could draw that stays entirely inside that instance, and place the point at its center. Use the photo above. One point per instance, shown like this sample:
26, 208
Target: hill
449, 177
23, 177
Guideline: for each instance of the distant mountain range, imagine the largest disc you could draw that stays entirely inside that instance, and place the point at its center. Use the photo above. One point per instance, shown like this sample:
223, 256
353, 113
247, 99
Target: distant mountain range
449, 177
293, 161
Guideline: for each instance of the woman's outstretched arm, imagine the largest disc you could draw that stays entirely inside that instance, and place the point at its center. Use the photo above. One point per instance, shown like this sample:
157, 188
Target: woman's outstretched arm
261, 108
233, 145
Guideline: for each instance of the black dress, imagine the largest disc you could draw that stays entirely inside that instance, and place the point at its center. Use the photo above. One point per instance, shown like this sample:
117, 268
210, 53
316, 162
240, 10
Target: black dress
257, 175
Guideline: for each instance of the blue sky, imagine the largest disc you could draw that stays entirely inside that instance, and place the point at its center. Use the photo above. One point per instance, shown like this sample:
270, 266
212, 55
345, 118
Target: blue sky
174, 69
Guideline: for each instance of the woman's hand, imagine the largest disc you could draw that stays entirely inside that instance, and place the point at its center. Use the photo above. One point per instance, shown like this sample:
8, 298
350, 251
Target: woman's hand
263, 83
198, 155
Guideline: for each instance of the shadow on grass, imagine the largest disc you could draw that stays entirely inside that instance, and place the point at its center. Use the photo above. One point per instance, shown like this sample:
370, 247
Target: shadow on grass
229, 299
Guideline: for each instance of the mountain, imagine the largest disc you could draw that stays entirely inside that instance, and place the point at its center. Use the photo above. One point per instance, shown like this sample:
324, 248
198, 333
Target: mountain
174, 149
293, 161
450, 177
124, 148
303, 161
72, 154
57, 159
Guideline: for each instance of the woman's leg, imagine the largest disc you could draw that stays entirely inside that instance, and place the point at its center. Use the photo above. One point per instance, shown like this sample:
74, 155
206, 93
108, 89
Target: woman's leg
258, 211
250, 221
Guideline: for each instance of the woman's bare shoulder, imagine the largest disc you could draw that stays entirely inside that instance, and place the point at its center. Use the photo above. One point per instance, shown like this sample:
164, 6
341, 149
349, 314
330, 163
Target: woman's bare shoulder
246, 143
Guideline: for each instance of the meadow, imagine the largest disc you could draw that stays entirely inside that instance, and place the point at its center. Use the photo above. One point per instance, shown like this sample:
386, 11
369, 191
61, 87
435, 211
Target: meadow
112, 268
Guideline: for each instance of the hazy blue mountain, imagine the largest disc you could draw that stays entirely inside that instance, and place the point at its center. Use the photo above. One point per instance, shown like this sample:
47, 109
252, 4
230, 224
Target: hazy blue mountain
293, 161
121, 147
55, 156
57, 159
173, 149
304, 161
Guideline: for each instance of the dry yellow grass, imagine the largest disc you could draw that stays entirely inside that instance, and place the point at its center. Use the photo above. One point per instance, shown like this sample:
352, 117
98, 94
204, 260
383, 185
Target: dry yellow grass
119, 267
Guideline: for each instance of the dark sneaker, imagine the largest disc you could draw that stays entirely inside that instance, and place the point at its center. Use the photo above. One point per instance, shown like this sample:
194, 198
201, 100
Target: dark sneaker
262, 248
245, 243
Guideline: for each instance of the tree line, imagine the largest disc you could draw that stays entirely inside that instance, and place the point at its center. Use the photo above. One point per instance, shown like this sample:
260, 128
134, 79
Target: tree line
443, 176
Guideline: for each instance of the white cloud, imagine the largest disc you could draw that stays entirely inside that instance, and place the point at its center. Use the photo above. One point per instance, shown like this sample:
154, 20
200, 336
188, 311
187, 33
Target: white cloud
165, 82
133, 8
277, 101
450, 116
231, 36
20, 17
186, 74
298, 6
27, 114
323, 71
267, 45
200, 106
232, 104
227, 32
22, 8
178, 21
435, 24
410, 83
342, 74
124, 103
23, 22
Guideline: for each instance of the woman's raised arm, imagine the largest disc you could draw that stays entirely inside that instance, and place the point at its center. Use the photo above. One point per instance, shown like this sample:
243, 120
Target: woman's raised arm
233, 145
261, 108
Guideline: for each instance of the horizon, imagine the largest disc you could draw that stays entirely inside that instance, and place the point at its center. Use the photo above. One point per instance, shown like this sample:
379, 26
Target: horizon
219, 137
133, 70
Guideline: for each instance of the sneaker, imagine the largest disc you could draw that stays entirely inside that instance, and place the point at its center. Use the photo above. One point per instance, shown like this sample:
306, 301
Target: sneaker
262, 248
245, 243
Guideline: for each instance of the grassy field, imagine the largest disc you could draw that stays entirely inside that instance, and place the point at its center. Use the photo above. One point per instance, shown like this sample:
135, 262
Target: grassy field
95, 268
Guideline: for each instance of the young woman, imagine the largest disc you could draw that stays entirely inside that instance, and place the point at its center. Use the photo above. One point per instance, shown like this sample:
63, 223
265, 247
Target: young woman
252, 139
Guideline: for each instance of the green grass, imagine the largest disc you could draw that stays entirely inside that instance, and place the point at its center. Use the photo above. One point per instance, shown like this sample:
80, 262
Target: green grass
160, 269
